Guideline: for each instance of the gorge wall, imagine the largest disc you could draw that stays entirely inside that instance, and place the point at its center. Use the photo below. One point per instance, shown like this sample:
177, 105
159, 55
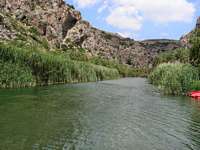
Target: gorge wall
63, 26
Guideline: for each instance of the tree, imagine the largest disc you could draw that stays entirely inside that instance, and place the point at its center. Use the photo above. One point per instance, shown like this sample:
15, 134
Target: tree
195, 49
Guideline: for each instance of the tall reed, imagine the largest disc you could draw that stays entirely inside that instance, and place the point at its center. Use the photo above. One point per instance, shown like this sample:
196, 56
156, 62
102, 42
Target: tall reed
174, 78
14, 76
49, 67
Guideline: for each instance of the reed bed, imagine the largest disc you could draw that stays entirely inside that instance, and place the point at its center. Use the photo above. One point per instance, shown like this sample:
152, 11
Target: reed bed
51, 68
14, 76
174, 78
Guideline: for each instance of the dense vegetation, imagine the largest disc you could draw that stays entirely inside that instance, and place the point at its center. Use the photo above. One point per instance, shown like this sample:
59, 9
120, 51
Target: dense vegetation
177, 55
14, 75
50, 67
177, 72
174, 78
194, 55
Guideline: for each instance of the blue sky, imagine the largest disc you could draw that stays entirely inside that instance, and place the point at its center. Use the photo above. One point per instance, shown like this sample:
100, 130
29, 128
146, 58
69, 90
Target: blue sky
141, 19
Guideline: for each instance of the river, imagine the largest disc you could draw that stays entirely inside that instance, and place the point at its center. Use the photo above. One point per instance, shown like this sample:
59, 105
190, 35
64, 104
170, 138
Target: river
122, 114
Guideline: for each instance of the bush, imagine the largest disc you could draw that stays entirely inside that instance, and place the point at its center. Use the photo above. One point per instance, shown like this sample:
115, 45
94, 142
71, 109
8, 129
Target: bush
195, 49
178, 55
174, 78
14, 76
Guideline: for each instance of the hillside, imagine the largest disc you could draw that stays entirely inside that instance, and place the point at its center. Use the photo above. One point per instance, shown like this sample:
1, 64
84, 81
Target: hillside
64, 27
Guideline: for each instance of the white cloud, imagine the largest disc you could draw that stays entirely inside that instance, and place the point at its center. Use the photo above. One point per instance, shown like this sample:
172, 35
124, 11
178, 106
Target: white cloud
125, 34
162, 10
125, 17
85, 3
129, 14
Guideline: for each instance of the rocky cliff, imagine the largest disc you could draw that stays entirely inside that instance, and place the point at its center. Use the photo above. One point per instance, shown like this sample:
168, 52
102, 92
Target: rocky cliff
109, 45
53, 18
63, 26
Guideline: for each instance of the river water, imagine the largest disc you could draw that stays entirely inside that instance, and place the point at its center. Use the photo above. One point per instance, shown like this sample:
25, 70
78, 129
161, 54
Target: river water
125, 114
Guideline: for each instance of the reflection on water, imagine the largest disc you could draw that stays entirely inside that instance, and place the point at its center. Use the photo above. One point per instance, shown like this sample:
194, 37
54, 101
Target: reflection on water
124, 114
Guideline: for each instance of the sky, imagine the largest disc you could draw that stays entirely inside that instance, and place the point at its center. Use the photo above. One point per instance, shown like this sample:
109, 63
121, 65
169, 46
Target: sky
141, 19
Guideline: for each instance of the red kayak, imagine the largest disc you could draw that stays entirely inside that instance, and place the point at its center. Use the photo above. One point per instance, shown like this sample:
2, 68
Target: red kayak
195, 94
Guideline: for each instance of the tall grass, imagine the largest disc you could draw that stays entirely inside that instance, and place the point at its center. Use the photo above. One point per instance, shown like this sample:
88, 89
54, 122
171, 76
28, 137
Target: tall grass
174, 78
49, 68
14, 76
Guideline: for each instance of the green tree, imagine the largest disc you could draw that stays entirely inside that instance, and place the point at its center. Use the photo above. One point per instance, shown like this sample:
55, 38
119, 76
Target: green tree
195, 49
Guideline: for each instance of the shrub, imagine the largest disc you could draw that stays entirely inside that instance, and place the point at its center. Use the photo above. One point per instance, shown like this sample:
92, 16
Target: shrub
178, 55
34, 30
174, 78
195, 49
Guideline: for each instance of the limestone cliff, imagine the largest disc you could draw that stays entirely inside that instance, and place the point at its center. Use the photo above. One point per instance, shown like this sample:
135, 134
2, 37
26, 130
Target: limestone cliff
53, 18
109, 45
62, 25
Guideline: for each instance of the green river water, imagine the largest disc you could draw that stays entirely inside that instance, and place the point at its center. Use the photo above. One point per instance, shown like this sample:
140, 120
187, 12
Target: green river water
125, 114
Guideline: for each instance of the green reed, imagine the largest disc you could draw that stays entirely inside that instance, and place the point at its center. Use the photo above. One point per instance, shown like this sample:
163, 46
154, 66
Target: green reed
52, 68
174, 78
14, 76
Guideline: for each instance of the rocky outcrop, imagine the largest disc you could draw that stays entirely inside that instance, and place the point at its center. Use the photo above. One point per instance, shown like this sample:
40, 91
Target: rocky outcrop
53, 18
109, 45
63, 26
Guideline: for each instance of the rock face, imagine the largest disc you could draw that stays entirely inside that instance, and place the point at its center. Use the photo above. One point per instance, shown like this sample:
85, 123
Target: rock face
109, 45
53, 18
63, 25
